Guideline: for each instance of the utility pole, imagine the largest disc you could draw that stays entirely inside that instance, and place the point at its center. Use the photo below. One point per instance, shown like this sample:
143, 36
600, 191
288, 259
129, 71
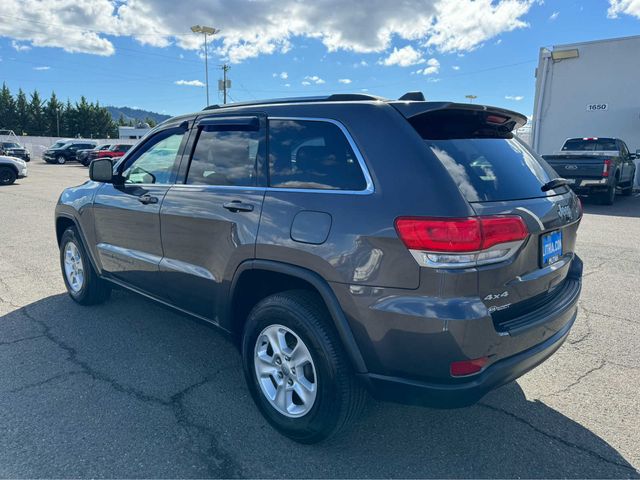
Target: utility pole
225, 69
206, 31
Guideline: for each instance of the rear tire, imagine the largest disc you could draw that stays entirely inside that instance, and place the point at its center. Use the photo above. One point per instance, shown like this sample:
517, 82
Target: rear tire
628, 191
83, 284
609, 196
292, 317
7, 176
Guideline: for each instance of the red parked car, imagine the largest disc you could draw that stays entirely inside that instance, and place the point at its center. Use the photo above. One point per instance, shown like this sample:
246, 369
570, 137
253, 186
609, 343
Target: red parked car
117, 150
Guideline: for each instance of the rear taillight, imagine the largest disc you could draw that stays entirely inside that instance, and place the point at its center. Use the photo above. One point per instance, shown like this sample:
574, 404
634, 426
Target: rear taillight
606, 167
461, 242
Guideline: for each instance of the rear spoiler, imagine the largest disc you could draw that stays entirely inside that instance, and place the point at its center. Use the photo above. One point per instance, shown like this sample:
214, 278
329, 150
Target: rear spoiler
507, 119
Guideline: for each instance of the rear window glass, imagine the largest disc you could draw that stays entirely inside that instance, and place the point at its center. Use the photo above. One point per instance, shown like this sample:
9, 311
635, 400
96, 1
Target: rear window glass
312, 155
485, 160
590, 145
492, 169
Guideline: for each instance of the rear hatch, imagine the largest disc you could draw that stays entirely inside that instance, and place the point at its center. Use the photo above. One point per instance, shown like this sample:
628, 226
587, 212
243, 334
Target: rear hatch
502, 178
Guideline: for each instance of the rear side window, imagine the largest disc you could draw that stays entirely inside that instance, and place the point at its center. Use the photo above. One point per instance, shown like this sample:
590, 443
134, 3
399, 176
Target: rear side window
590, 144
225, 158
312, 154
487, 163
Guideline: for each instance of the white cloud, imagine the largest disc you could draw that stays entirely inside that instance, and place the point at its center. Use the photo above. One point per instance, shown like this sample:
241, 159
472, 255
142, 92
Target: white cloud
346, 81
456, 67
287, 84
554, 15
361, 63
252, 28
282, 75
190, 83
42, 68
19, 47
404, 57
433, 67
516, 98
313, 79
626, 7
464, 25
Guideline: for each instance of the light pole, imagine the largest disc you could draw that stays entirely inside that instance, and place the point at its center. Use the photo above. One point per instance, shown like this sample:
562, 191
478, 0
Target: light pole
206, 31
471, 97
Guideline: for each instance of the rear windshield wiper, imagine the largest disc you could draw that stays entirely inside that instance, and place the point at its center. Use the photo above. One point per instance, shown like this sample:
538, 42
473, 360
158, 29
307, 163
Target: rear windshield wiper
555, 183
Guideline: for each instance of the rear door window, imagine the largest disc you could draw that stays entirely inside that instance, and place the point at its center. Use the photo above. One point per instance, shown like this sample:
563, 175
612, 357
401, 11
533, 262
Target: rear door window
312, 154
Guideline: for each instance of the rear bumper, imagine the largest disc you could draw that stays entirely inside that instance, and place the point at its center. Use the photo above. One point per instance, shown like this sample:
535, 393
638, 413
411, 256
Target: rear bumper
409, 341
587, 185
441, 395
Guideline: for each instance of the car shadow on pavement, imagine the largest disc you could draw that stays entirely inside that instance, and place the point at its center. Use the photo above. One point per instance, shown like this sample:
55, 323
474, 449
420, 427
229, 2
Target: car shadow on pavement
623, 206
131, 389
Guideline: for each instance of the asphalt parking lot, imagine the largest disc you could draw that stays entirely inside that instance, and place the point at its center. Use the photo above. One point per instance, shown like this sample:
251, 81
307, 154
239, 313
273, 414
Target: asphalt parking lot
132, 389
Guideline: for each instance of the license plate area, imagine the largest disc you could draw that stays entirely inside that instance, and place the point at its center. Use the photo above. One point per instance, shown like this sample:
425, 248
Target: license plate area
550, 247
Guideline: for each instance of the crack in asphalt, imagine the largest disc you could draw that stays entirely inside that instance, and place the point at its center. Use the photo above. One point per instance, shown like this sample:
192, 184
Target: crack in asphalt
608, 315
557, 438
2, 344
578, 380
218, 462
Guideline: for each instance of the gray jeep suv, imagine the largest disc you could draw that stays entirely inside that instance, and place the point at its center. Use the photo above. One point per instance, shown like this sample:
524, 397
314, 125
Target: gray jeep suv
415, 250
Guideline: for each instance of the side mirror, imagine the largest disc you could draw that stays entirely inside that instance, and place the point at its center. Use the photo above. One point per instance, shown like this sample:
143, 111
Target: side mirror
101, 170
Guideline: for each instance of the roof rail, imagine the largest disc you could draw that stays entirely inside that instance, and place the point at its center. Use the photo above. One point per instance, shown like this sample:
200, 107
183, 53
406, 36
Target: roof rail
336, 97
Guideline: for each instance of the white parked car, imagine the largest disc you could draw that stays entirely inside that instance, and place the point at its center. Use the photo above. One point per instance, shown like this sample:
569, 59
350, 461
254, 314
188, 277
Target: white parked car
11, 168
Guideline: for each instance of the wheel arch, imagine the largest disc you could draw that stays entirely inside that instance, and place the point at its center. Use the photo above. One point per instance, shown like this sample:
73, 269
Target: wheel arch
10, 166
64, 221
281, 277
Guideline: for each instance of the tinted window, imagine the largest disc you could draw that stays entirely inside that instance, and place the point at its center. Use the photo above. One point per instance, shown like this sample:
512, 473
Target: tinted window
224, 158
493, 169
154, 162
590, 145
312, 154
10, 145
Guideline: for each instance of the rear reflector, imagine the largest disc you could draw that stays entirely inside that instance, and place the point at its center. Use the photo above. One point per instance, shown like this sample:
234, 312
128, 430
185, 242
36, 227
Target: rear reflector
468, 367
460, 234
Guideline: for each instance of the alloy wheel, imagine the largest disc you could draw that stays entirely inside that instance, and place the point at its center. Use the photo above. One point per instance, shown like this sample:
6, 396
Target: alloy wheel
285, 371
73, 267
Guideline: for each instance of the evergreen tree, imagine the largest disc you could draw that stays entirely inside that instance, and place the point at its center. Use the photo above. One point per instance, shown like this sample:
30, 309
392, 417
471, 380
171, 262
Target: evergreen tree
36, 122
22, 113
52, 113
7, 109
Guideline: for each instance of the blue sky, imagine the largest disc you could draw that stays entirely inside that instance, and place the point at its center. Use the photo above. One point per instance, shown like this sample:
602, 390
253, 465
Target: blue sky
493, 58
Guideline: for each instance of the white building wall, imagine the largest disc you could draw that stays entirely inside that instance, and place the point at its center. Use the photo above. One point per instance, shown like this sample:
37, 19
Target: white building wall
606, 72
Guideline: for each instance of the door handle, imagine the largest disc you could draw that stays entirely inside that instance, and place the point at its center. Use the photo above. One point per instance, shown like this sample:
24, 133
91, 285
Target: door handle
147, 199
238, 206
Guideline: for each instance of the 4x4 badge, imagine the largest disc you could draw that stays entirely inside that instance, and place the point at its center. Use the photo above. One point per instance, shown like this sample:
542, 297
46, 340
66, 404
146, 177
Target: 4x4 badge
496, 296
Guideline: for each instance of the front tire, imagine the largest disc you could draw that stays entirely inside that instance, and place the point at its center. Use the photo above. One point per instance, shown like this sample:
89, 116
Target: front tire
83, 284
61, 160
296, 368
7, 176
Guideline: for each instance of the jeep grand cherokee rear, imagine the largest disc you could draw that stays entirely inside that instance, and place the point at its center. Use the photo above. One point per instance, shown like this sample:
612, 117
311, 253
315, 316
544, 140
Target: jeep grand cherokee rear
417, 249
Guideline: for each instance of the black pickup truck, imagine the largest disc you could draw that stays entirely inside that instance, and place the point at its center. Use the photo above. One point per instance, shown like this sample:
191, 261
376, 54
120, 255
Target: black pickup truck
596, 166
